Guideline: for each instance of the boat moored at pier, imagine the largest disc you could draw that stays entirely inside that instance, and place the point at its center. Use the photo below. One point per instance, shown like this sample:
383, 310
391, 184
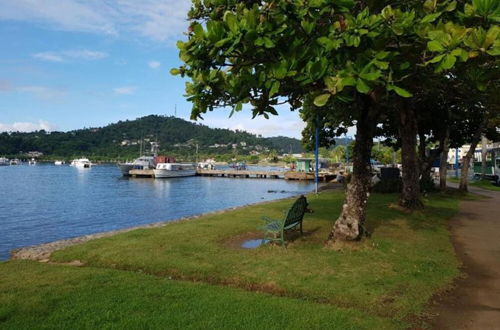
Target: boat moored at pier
81, 163
174, 170
141, 163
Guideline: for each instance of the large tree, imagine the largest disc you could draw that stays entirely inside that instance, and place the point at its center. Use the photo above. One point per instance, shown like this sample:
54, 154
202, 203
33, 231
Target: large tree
319, 53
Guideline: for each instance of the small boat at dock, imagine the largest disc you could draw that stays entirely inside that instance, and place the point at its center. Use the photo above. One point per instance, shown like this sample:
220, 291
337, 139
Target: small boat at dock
59, 162
15, 162
141, 163
81, 163
32, 161
208, 164
4, 161
174, 170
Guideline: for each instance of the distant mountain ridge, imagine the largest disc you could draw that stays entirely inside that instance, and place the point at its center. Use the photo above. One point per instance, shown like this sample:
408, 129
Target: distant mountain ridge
123, 139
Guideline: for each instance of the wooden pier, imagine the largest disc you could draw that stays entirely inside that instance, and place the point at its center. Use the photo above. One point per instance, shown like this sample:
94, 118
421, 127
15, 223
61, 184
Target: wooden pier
241, 174
290, 175
309, 176
141, 173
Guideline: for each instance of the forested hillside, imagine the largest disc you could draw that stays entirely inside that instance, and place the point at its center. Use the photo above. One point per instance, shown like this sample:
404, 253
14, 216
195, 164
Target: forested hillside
123, 139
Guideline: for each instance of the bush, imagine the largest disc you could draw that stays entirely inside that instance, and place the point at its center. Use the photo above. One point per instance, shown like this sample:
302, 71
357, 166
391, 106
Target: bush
427, 184
387, 186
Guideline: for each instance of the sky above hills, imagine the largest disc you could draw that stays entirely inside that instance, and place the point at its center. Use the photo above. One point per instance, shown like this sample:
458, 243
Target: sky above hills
84, 63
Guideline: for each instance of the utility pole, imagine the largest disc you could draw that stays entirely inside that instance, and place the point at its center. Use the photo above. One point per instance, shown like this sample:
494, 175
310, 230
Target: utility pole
316, 154
484, 154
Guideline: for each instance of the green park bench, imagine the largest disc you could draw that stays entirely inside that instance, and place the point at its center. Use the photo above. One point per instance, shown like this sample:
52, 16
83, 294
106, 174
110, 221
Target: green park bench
274, 230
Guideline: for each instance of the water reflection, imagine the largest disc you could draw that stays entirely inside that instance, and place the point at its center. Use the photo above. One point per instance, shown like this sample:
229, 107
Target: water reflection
254, 243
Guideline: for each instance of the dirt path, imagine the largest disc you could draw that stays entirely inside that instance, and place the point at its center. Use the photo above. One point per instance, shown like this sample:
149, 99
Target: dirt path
475, 302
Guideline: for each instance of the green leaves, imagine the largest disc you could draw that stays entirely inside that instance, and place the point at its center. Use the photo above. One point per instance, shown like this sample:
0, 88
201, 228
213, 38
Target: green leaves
329, 50
447, 63
237, 108
322, 99
430, 5
400, 91
484, 41
450, 40
430, 18
485, 9
274, 88
370, 76
329, 43
307, 26
264, 41
362, 87
435, 46
230, 20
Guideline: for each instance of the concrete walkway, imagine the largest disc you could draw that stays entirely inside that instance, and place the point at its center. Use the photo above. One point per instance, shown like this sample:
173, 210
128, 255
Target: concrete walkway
475, 302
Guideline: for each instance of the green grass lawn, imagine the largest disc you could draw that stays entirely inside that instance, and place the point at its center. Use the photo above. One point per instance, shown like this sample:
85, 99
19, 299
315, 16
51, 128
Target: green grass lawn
485, 184
41, 296
391, 276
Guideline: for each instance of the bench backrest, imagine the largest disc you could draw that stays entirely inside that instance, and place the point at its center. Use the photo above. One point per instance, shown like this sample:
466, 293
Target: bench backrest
296, 212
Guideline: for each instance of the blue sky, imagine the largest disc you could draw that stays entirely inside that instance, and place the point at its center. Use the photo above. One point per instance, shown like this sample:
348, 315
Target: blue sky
68, 64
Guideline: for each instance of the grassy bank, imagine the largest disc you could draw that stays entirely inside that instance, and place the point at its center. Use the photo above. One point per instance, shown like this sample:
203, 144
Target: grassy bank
390, 276
484, 184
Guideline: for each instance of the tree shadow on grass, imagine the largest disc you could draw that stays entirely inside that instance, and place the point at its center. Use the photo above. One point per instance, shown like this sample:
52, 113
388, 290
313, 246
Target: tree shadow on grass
438, 209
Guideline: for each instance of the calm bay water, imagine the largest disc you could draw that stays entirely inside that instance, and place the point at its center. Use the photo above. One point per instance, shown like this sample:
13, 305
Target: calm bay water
44, 203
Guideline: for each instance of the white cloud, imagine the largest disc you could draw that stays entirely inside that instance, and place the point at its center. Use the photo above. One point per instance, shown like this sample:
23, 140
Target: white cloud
125, 90
69, 15
154, 64
27, 126
85, 54
67, 55
159, 20
48, 56
43, 93
286, 124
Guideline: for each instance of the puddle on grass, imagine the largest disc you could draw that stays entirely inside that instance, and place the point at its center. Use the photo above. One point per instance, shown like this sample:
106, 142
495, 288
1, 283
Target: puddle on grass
253, 244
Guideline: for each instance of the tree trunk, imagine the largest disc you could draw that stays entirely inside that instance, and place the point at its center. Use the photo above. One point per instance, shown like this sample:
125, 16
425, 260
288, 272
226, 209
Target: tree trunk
464, 177
426, 160
422, 154
443, 163
410, 195
484, 151
350, 224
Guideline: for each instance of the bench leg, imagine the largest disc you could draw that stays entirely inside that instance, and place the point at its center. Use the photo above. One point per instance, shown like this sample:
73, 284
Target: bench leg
301, 232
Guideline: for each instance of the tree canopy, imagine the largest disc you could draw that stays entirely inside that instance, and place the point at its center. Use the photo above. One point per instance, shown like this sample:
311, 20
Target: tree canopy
343, 63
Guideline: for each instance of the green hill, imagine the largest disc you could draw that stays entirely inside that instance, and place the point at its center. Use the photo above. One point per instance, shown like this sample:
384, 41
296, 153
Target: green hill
123, 140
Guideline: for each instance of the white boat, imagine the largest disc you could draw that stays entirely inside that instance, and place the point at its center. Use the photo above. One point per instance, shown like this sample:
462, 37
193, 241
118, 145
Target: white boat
32, 161
174, 170
141, 163
59, 162
15, 162
81, 163
4, 161
208, 164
